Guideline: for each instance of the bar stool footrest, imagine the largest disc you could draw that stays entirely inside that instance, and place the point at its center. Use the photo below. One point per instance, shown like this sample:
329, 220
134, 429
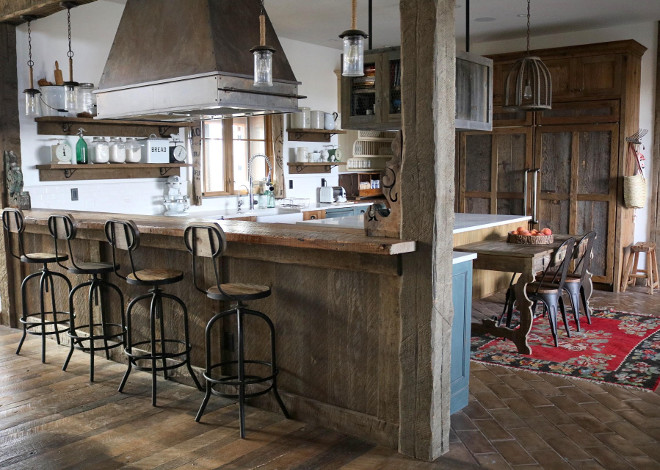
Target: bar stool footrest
159, 356
33, 320
113, 336
233, 380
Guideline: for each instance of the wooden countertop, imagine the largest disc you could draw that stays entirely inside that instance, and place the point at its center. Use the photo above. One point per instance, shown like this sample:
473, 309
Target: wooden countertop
330, 239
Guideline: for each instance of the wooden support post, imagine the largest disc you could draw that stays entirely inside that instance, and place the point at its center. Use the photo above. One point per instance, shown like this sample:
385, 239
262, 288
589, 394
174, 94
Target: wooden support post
427, 192
10, 139
654, 209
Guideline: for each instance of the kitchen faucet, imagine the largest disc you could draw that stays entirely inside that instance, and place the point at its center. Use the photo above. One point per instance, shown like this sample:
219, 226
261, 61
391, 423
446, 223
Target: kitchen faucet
249, 171
239, 203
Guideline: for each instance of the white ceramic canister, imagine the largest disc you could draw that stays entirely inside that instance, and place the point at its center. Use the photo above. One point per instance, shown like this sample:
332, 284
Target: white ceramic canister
301, 119
301, 154
318, 119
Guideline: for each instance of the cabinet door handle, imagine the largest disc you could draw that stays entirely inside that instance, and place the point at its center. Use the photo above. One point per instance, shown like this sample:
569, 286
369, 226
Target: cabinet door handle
313, 217
525, 190
536, 172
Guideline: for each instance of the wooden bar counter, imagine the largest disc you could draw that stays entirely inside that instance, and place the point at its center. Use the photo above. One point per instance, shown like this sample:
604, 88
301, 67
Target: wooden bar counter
335, 306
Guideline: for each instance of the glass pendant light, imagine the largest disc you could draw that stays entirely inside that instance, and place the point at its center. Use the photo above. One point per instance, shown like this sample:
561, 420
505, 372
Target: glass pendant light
70, 91
263, 55
32, 95
528, 85
353, 62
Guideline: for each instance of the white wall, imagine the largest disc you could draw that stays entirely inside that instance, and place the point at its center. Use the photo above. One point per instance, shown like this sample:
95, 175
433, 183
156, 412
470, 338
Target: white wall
93, 29
644, 33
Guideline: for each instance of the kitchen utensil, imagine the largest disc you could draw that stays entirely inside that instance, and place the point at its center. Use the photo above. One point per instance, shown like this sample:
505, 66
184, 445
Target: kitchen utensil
58, 74
325, 192
318, 118
330, 121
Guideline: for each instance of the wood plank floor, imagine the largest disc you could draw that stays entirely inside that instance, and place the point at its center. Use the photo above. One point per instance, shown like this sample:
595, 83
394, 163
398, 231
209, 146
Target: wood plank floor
51, 419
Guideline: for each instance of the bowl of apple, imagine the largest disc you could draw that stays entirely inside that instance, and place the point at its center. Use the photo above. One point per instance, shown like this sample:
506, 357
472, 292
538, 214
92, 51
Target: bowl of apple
525, 236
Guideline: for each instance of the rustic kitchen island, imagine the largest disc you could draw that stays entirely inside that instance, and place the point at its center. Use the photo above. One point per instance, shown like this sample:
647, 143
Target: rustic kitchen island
335, 305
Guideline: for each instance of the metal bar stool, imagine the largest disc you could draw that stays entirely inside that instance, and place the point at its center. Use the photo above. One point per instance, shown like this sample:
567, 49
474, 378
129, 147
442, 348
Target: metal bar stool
209, 241
43, 322
86, 336
145, 354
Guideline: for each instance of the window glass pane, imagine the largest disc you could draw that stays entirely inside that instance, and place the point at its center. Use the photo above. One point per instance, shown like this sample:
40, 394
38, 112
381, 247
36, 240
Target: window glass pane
240, 163
214, 169
240, 128
257, 130
213, 129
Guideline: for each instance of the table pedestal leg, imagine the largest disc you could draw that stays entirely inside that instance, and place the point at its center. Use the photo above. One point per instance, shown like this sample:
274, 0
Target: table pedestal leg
526, 315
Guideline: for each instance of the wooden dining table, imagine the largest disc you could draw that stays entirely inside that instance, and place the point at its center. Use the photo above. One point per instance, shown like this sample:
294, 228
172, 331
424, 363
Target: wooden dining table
528, 260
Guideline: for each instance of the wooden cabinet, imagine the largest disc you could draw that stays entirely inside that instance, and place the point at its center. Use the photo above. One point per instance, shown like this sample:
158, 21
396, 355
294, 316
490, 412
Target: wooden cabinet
474, 92
374, 100
563, 166
361, 185
314, 215
461, 329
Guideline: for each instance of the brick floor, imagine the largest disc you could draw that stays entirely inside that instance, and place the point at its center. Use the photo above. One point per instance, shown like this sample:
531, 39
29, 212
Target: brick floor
516, 419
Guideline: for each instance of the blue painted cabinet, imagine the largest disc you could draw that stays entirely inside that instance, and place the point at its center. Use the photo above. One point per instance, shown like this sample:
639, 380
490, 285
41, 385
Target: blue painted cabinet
460, 335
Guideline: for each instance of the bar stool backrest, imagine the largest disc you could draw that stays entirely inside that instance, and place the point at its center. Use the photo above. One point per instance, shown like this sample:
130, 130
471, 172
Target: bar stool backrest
207, 241
63, 227
122, 235
557, 269
582, 254
14, 222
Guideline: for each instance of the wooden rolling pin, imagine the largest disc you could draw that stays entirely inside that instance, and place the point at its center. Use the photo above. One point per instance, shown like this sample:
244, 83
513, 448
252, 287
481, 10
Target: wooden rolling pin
58, 75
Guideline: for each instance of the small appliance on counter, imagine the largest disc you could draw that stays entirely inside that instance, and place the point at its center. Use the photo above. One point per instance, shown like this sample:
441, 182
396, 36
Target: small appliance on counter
338, 194
325, 192
175, 202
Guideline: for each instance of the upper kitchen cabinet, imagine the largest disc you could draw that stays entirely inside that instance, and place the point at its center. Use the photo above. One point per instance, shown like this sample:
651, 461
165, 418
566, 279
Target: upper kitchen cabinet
474, 92
587, 72
373, 102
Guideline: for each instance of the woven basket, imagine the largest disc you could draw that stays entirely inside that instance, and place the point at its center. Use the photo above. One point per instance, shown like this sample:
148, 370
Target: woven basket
634, 191
530, 239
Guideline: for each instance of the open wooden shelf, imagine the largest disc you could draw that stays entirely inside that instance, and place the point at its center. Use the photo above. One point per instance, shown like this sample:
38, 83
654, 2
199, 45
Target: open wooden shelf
66, 125
308, 167
313, 135
104, 171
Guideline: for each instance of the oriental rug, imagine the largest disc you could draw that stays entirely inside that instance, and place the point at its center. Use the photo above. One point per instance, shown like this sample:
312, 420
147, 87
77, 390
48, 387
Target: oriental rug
618, 348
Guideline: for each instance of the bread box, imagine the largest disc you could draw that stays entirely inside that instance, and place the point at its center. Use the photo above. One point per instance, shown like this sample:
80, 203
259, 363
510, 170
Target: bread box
155, 150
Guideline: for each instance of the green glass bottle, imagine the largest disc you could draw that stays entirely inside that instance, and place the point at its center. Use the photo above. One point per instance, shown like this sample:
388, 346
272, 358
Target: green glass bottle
81, 148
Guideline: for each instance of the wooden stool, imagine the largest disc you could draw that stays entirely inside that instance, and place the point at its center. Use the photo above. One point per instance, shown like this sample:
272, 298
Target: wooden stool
632, 272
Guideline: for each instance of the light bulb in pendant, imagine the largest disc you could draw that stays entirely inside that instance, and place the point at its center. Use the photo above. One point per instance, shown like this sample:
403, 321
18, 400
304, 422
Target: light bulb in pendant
527, 93
353, 62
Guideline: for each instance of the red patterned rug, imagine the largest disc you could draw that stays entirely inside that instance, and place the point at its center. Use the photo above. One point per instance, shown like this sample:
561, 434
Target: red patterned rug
619, 348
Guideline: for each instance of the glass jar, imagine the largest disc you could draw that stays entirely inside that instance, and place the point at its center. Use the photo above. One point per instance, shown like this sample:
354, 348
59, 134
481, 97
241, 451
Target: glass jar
101, 150
117, 151
86, 99
133, 150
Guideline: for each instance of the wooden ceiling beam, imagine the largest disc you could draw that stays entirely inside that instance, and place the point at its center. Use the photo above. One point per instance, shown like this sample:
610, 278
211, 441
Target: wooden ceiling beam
13, 11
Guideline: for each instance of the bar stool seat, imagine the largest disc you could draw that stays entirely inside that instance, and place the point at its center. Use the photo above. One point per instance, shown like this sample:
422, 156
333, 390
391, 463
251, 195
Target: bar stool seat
43, 322
154, 277
96, 334
209, 241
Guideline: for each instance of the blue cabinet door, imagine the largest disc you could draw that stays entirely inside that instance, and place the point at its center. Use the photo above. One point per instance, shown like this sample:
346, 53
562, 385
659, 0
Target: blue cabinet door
460, 335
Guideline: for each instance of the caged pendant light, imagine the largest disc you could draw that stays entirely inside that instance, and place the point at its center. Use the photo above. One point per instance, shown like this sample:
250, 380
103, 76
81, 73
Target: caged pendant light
528, 85
353, 63
32, 95
263, 55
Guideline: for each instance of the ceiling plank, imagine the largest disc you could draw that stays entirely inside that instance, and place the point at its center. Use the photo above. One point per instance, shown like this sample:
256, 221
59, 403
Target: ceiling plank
12, 11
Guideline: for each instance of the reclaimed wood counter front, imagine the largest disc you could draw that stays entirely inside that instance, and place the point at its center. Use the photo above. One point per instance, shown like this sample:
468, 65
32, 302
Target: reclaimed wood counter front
335, 306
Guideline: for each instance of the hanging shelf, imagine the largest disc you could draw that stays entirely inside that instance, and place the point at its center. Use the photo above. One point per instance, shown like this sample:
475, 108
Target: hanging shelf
104, 171
312, 135
316, 167
65, 125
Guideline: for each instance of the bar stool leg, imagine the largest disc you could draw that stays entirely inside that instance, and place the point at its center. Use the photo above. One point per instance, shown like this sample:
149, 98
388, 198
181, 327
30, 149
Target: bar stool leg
129, 340
241, 371
159, 316
153, 308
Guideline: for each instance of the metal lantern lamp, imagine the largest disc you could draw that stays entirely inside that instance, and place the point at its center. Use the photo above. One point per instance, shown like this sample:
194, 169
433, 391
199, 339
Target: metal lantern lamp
353, 63
528, 84
263, 55
32, 95
70, 92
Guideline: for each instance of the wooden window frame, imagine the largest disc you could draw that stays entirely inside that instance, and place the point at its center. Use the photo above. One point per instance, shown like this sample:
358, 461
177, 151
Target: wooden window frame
228, 154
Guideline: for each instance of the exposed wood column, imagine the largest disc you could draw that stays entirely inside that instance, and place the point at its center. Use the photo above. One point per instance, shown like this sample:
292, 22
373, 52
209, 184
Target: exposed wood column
10, 139
654, 209
427, 198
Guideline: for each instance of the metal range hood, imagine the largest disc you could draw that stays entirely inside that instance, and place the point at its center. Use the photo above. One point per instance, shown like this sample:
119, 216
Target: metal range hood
182, 59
